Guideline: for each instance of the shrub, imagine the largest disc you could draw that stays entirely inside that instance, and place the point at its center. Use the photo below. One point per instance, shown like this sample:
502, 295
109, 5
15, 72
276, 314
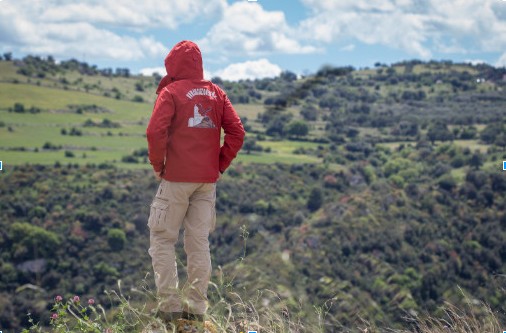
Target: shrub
129, 159
116, 239
138, 99
19, 108
315, 199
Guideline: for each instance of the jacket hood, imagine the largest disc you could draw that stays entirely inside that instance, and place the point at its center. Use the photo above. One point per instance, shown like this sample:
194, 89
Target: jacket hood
184, 61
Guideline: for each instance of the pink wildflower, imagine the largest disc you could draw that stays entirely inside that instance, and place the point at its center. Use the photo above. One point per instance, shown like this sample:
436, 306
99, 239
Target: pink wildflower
54, 316
58, 298
108, 330
91, 301
76, 299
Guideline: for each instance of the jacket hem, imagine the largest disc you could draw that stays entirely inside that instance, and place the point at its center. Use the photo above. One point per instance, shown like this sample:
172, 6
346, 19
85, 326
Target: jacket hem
191, 180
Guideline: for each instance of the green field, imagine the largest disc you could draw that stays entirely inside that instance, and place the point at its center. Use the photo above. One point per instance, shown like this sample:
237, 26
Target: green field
23, 135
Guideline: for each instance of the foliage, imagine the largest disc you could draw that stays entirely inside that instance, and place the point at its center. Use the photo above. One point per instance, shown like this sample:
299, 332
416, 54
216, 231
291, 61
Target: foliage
390, 201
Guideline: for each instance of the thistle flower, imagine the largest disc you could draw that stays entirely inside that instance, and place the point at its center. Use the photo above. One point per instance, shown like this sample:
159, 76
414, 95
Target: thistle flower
58, 298
91, 301
54, 316
76, 299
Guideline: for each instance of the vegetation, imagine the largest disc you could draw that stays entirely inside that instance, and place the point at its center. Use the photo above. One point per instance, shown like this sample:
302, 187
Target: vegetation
365, 196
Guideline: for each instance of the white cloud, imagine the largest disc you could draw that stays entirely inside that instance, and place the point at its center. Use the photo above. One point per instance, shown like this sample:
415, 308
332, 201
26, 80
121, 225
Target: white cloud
247, 29
85, 39
65, 29
419, 27
125, 13
150, 70
348, 48
255, 69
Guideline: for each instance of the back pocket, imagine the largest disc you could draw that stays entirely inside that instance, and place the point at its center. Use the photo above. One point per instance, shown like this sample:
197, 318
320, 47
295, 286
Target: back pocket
158, 215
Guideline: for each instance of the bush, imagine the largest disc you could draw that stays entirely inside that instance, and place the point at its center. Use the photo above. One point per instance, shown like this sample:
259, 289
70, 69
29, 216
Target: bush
447, 182
116, 239
138, 99
129, 159
315, 200
49, 146
298, 128
19, 108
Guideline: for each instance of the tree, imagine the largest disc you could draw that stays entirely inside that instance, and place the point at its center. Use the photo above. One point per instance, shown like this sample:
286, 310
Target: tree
315, 200
489, 133
32, 242
8, 56
139, 86
500, 141
19, 108
468, 133
309, 113
288, 76
439, 131
116, 239
217, 80
476, 160
250, 144
298, 128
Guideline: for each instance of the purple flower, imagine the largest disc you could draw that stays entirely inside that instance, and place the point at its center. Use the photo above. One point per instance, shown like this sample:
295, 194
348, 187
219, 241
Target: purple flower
58, 298
76, 299
54, 316
91, 301
108, 330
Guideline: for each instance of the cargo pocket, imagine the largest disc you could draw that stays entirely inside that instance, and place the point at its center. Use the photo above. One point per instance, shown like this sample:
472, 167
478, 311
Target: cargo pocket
158, 215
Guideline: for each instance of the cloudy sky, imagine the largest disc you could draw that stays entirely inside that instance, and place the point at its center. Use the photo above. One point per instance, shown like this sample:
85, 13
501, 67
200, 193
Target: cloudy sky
247, 39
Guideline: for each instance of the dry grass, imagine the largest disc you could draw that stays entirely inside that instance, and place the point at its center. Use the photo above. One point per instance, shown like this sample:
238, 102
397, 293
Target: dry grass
456, 320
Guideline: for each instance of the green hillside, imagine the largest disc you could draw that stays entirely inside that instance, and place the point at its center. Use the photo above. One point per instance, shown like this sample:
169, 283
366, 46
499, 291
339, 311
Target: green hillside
360, 197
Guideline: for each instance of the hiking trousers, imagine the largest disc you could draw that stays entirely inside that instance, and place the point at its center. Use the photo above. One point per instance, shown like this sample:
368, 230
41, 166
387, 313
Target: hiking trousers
191, 205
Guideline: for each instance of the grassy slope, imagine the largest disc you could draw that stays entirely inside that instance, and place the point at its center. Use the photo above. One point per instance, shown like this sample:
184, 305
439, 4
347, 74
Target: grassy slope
31, 131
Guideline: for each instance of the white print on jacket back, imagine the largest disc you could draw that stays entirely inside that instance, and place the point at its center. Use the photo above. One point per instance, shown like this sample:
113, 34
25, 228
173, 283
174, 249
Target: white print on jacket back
200, 117
200, 92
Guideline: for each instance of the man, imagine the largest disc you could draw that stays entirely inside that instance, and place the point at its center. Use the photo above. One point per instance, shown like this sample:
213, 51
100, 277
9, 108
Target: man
184, 149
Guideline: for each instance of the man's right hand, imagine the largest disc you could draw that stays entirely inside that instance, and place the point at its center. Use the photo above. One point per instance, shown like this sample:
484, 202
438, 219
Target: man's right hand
158, 175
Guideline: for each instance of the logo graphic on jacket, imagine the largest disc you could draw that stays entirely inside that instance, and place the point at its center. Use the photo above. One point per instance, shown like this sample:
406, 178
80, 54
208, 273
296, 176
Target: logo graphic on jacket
200, 118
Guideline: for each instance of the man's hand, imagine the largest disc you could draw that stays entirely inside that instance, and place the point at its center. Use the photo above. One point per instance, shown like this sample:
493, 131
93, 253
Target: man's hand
158, 175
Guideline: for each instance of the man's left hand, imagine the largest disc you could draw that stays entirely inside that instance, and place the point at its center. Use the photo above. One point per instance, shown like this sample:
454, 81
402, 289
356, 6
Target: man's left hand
158, 175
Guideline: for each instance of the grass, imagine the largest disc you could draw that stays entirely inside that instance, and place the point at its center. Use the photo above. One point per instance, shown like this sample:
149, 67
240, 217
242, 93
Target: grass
251, 111
100, 145
57, 99
231, 312
269, 158
473, 145
282, 152
395, 145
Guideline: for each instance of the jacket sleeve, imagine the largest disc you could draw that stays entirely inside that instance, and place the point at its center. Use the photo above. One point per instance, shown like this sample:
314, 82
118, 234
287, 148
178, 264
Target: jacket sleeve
157, 131
234, 135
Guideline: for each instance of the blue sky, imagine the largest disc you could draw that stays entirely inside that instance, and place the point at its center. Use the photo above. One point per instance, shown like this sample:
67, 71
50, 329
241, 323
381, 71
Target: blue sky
243, 39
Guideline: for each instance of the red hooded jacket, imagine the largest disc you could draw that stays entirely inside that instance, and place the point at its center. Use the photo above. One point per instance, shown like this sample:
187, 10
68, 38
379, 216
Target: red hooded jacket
185, 126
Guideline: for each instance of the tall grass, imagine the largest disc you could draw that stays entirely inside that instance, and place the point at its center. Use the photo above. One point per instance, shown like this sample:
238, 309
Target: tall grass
230, 312
458, 320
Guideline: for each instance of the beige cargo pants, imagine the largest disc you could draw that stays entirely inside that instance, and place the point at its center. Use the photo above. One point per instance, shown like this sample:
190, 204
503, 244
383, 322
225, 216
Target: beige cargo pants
191, 205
